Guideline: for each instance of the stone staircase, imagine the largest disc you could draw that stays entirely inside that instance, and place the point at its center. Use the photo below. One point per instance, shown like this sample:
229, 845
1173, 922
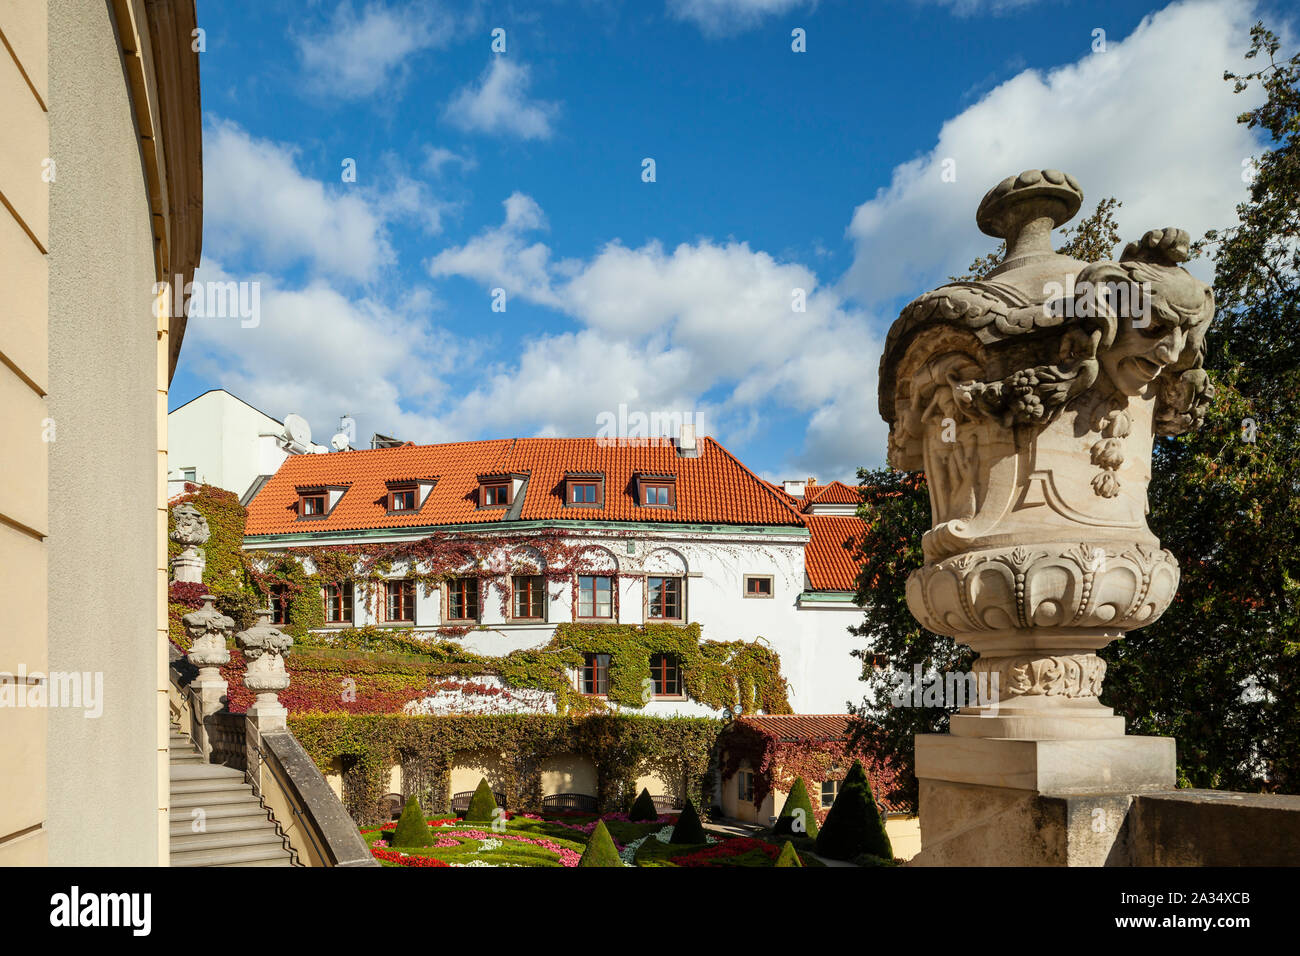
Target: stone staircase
237, 830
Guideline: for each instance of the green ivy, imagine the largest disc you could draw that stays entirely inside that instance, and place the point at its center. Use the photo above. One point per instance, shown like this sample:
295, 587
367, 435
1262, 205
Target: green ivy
621, 747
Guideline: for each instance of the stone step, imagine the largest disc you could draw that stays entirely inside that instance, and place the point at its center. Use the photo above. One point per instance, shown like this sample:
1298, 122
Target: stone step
181, 756
263, 835
286, 861
219, 820
232, 856
209, 800
207, 771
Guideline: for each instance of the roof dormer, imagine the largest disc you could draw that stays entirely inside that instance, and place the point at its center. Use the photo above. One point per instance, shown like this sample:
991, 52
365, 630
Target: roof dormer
584, 489
407, 495
318, 501
500, 489
654, 490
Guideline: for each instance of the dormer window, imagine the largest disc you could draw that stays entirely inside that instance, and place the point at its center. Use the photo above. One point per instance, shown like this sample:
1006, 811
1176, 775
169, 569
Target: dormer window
319, 500
401, 498
584, 490
496, 495
500, 490
656, 491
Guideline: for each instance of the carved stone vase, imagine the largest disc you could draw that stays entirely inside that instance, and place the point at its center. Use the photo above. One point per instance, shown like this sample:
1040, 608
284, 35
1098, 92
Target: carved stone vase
265, 647
1031, 398
191, 532
208, 630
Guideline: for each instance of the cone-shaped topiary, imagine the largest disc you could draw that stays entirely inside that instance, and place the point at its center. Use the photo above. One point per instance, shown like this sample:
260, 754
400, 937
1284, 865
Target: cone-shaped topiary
482, 803
688, 828
412, 830
600, 849
788, 856
854, 826
791, 822
644, 808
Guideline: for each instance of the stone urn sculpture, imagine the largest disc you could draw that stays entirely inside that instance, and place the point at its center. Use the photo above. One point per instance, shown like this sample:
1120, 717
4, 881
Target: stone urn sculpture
208, 630
265, 647
191, 532
1030, 398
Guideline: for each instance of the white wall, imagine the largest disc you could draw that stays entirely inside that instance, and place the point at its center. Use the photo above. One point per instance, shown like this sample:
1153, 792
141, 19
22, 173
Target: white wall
812, 639
222, 438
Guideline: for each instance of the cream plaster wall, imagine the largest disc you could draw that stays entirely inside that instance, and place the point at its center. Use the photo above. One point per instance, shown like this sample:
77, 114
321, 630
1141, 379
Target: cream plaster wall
106, 777
24, 382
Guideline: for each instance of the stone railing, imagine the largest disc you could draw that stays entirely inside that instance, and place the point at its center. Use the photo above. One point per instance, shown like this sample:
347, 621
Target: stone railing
317, 827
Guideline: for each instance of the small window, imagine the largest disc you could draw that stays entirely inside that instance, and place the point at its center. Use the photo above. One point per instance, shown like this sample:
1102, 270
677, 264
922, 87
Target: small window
530, 597
664, 598
830, 790
657, 496
582, 494
401, 499
399, 601
595, 595
312, 504
758, 586
595, 674
666, 674
462, 599
279, 600
496, 495
745, 786
188, 474
338, 603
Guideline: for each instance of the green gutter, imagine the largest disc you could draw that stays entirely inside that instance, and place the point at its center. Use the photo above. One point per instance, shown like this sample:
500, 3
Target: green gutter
826, 597
512, 527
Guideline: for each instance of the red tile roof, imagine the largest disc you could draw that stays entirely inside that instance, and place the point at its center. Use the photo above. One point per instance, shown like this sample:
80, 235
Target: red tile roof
794, 727
836, 493
713, 488
829, 564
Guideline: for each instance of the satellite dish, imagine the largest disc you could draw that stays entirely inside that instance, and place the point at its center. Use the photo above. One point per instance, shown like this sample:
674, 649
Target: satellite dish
298, 431
340, 442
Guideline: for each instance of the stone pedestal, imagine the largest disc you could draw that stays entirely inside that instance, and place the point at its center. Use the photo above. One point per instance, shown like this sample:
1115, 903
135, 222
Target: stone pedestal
191, 532
208, 630
1031, 399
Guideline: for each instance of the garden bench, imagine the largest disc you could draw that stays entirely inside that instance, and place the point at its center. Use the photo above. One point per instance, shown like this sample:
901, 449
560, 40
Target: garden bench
569, 801
460, 801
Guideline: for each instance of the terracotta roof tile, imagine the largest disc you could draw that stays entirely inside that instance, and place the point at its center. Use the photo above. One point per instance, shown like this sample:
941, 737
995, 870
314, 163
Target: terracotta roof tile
829, 564
836, 493
713, 488
792, 727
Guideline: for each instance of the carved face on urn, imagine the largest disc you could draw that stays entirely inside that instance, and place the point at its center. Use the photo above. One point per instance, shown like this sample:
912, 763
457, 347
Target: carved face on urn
191, 526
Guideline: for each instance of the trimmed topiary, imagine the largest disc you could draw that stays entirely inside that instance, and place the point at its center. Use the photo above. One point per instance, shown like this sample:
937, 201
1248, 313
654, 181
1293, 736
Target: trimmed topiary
791, 822
788, 856
483, 804
600, 849
854, 826
688, 829
412, 830
643, 809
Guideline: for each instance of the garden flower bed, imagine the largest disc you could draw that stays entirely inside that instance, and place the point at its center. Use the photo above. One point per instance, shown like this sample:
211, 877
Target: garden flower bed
559, 839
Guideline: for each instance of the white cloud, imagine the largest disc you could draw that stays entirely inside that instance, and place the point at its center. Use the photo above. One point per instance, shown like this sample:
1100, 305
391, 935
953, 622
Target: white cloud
257, 201
437, 157
499, 104
355, 56
1149, 121
704, 327
720, 17
321, 354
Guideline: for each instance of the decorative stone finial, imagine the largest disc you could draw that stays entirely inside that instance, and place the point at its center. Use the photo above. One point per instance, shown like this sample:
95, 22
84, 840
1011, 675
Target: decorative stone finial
265, 647
208, 630
1030, 399
191, 531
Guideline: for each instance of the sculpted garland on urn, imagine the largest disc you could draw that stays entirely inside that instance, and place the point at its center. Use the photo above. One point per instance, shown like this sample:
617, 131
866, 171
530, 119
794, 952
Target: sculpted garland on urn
1031, 399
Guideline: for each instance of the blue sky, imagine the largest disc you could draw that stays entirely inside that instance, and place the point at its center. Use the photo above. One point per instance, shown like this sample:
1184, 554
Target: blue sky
775, 170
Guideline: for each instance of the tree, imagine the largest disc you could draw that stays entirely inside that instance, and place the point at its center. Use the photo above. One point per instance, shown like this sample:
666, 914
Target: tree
412, 829
644, 808
797, 815
688, 829
483, 805
600, 849
1220, 671
788, 856
853, 826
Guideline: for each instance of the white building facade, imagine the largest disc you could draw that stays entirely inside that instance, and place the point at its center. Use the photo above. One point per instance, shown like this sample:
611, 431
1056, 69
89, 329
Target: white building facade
725, 550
